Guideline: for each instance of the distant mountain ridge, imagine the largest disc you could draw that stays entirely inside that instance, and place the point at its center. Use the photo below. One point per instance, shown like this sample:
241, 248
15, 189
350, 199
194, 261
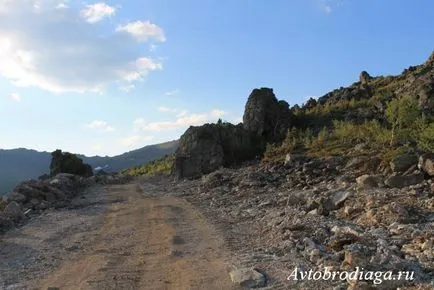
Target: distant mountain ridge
17, 165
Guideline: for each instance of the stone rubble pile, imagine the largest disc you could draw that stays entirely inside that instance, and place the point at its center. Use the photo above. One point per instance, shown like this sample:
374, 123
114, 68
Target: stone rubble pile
334, 212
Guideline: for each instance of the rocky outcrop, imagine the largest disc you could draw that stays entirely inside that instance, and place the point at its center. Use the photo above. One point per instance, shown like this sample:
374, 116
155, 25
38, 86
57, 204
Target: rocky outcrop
206, 148
265, 116
416, 81
64, 162
365, 78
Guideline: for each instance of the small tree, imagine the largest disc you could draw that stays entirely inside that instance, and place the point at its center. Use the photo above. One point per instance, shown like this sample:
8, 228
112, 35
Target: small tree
426, 138
402, 114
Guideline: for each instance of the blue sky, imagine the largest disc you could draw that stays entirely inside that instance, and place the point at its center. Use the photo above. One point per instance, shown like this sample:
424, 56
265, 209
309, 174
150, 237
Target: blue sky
102, 78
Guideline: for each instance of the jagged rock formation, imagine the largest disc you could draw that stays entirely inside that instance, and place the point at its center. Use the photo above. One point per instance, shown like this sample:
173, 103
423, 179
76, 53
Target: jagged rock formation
206, 148
64, 162
265, 116
365, 78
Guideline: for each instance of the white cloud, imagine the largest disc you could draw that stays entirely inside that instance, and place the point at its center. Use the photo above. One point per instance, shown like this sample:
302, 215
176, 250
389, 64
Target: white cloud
217, 113
143, 31
172, 93
138, 69
100, 125
134, 140
15, 97
54, 50
237, 120
183, 120
62, 5
96, 12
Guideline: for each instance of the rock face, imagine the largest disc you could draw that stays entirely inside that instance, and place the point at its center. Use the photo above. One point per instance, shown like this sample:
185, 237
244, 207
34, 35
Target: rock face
64, 162
365, 77
265, 116
206, 148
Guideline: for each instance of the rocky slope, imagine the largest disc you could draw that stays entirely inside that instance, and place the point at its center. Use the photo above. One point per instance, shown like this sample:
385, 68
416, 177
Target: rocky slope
325, 213
69, 177
349, 210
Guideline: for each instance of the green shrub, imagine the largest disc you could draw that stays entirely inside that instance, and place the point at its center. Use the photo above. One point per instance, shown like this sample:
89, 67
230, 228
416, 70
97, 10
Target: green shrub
163, 165
425, 139
402, 115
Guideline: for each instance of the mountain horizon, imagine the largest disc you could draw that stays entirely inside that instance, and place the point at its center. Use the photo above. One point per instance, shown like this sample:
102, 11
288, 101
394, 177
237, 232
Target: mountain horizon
19, 164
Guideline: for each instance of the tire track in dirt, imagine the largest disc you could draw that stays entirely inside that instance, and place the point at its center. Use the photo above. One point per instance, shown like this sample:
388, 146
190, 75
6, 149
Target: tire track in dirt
148, 243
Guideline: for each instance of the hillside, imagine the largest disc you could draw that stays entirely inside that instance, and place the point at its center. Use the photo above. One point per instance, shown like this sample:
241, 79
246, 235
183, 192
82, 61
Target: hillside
20, 164
386, 116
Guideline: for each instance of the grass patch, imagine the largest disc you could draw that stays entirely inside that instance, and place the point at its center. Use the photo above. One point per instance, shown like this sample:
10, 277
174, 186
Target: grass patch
159, 166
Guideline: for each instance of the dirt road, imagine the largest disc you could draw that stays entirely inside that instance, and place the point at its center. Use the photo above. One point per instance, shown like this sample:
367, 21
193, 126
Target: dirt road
116, 237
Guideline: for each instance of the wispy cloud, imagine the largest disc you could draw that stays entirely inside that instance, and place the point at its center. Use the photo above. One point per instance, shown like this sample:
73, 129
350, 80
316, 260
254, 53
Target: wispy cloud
184, 119
96, 12
328, 6
172, 93
78, 61
101, 126
15, 97
143, 31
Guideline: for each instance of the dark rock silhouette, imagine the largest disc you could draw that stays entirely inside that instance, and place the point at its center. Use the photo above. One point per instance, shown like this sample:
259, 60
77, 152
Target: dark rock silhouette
64, 162
265, 116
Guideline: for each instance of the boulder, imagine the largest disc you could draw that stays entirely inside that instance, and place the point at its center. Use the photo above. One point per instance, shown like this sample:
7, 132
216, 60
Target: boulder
206, 148
14, 211
400, 181
248, 278
336, 200
426, 163
403, 162
265, 116
64, 162
369, 181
